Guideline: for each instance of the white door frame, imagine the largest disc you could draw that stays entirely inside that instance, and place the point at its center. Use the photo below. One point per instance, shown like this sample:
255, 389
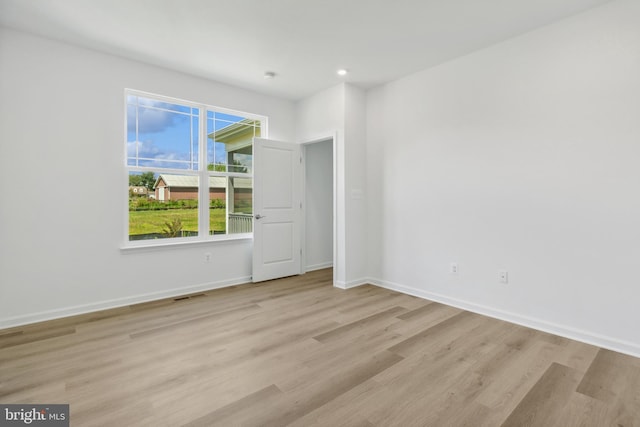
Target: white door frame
333, 137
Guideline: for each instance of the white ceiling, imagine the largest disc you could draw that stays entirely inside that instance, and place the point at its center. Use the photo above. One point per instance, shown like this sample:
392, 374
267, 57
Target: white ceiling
304, 42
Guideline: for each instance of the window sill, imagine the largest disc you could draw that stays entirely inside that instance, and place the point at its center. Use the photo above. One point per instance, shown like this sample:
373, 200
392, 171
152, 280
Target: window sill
154, 245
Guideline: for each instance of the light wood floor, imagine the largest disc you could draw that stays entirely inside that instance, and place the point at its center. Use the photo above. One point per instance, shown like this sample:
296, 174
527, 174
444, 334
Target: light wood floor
298, 352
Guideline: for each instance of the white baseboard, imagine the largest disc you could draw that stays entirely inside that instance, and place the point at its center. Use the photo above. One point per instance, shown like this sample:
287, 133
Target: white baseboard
11, 322
352, 283
620, 346
320, 266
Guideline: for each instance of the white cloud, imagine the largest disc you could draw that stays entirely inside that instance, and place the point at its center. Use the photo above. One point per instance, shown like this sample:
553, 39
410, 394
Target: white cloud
144, 149
161, 158
151, 120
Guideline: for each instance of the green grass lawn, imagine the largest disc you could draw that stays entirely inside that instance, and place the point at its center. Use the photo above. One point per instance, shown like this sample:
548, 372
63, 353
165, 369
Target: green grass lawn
147, 222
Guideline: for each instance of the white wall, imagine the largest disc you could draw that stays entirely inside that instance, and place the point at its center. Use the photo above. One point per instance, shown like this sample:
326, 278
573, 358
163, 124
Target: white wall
341, 110
318, 117
355, 152
523, 157
62, 182
321, 114
319, 205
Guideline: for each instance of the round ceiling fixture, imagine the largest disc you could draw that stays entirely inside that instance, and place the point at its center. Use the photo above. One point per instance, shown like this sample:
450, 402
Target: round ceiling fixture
268, 75
342, 72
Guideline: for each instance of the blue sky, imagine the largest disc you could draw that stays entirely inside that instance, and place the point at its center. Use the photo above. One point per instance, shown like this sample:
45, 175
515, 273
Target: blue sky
167, 134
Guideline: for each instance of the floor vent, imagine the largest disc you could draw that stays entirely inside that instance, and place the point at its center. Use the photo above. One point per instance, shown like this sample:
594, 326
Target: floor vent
186, 297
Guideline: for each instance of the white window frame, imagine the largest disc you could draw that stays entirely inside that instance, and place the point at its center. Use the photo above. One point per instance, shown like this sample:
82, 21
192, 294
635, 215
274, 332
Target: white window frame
202, 173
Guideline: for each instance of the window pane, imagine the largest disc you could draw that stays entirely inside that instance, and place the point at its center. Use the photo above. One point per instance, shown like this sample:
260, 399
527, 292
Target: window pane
217, 204
241, 205
230, 205
162, 205
228, 117
161, 134
171, 156
230, 142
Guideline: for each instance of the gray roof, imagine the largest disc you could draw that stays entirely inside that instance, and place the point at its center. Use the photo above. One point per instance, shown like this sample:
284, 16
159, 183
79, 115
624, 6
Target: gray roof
192, 181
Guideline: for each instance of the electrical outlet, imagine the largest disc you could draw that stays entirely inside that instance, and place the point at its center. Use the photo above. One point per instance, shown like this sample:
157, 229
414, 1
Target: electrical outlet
453, 268
504, 276
207, 257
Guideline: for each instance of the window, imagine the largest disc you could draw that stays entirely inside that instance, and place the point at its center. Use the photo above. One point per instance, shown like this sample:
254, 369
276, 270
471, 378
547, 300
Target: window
190, 169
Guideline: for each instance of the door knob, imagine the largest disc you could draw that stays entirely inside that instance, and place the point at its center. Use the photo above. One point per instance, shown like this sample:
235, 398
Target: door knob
258, 216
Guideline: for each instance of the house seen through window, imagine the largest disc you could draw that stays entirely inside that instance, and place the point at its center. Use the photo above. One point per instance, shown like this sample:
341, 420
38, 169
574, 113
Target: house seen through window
190, 169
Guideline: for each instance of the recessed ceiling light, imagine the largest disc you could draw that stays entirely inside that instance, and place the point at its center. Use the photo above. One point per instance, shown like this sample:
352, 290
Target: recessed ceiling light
342, 72
268, 75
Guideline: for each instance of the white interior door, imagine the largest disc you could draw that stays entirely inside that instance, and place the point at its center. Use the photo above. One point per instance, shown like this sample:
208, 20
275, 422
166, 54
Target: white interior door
276, 208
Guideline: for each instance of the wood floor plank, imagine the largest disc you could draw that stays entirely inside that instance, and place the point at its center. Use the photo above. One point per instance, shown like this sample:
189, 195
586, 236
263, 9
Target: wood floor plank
583, 410
10, 340
517, 376
453, 365
190, 322
413, 325
440, 329
577, 355
298, 351
313, 395
351, 408
472, 415
546, 400
359, 324
604, 380
241, 410
463, 394
420, 311
285, 408
614, 378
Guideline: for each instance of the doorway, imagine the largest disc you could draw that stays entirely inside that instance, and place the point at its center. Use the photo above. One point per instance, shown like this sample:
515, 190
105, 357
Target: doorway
319, 201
